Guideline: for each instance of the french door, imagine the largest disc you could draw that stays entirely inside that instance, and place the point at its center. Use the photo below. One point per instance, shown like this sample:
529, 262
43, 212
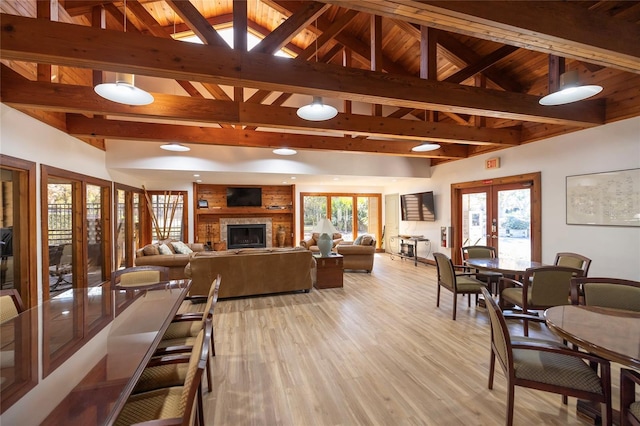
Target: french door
503, 213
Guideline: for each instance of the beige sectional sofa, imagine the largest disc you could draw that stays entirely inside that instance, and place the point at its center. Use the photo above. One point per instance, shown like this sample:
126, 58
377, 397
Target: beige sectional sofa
248, 272
150, 255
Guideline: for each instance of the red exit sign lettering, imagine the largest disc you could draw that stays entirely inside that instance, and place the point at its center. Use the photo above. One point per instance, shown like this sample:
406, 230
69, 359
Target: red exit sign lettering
492, 163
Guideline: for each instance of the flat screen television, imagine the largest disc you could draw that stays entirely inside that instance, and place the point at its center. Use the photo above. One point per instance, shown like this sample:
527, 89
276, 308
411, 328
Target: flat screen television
418, 206
244, 197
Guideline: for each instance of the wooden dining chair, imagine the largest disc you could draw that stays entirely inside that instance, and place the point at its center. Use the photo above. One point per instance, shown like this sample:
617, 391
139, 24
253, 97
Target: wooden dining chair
629, 403
136, 276
573, 260
172, 405
541, 288
547, 367
10, 304
483, 252
606, 292
455, 282
181, 333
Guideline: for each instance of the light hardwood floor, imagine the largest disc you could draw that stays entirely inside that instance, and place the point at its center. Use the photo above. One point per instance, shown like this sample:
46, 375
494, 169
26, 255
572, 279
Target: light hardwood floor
376, 352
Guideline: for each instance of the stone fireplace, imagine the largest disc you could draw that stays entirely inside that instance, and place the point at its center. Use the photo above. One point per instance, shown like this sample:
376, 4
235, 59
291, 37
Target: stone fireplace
244, 231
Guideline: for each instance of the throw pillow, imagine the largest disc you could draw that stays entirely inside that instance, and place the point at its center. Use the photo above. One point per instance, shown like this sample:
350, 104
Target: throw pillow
367, 240
181, 247
358, 240
150, 250
164, 249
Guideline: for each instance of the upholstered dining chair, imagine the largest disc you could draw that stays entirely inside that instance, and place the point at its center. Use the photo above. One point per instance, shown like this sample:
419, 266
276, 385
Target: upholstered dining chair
573, 260
606, 292
181, 333
10, 304
195, 303
551, 368
172, 405
483, 252
457, 283
139, 276
541, 288
629, 404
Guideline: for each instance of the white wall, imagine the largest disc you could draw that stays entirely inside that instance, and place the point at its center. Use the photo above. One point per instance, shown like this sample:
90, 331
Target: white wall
615, 250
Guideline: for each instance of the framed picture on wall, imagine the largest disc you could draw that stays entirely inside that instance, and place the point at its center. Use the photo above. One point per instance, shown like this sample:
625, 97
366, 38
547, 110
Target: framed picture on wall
606, 199
203, 204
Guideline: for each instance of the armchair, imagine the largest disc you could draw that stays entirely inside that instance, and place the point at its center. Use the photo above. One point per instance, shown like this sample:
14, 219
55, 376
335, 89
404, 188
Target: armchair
312, 242
358, 254
541, 288
455, 282
547, 367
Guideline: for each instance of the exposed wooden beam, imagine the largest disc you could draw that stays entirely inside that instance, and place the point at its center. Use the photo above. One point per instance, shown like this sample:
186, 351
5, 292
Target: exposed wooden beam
287, 30
197, 23
460, 55
19, 92
545, 26
482, 64
35, 40
328, 34
81, 126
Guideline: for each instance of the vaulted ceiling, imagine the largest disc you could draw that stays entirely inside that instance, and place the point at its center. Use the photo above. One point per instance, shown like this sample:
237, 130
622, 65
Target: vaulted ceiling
465, 74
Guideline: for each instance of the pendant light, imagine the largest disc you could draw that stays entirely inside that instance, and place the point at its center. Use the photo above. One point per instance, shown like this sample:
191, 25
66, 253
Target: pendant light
317, 110
570, 90
124, 91
426, 147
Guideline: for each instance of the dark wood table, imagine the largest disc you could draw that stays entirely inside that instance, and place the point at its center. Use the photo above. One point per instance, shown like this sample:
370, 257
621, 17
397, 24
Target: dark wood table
329, 271
610, 333
88, 373
515, 267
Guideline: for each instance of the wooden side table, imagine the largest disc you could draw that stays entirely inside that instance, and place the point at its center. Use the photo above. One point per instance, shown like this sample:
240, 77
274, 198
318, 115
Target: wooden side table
329, 271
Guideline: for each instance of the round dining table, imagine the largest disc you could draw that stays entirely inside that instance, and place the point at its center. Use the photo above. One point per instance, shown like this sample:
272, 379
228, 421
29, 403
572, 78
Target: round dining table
613, 334
516, 267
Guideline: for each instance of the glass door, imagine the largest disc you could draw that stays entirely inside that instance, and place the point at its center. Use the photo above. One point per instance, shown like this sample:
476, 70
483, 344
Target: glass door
499, 214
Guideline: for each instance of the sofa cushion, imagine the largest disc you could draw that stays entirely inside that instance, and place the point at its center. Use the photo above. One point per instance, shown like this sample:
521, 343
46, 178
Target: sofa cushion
164, 249
181, 248
367, 240
358, 240
150, 250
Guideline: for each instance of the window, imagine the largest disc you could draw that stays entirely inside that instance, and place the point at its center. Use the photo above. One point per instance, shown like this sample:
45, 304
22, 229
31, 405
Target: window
127, 235
18, 227
75, 235
169, 217
351, 214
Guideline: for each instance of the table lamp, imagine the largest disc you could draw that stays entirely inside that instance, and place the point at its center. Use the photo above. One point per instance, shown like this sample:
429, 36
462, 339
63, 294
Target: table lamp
325, 240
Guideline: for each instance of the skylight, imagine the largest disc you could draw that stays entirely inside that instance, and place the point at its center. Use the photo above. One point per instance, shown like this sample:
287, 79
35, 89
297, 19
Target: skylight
227, 35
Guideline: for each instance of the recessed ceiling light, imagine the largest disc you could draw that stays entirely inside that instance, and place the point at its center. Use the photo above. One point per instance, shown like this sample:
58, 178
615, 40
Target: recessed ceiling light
293, 178
285, 151
176, 147
196, 175
336, 178
425, 147
198, 180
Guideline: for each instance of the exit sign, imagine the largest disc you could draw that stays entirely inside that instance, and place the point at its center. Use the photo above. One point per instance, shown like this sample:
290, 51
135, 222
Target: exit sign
492, 163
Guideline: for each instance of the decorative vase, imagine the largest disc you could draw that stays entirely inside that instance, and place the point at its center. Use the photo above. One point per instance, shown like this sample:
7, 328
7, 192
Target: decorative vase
280, 236
324, 244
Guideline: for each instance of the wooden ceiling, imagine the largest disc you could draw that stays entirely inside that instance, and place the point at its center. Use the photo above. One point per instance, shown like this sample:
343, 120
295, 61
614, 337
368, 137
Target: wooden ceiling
465, 74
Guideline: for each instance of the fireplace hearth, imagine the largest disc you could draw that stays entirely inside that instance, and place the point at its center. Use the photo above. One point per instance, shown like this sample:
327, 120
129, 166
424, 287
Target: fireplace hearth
246, 236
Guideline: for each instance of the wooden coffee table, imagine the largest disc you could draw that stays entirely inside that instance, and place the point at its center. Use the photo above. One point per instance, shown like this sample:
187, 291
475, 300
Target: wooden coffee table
329, 271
